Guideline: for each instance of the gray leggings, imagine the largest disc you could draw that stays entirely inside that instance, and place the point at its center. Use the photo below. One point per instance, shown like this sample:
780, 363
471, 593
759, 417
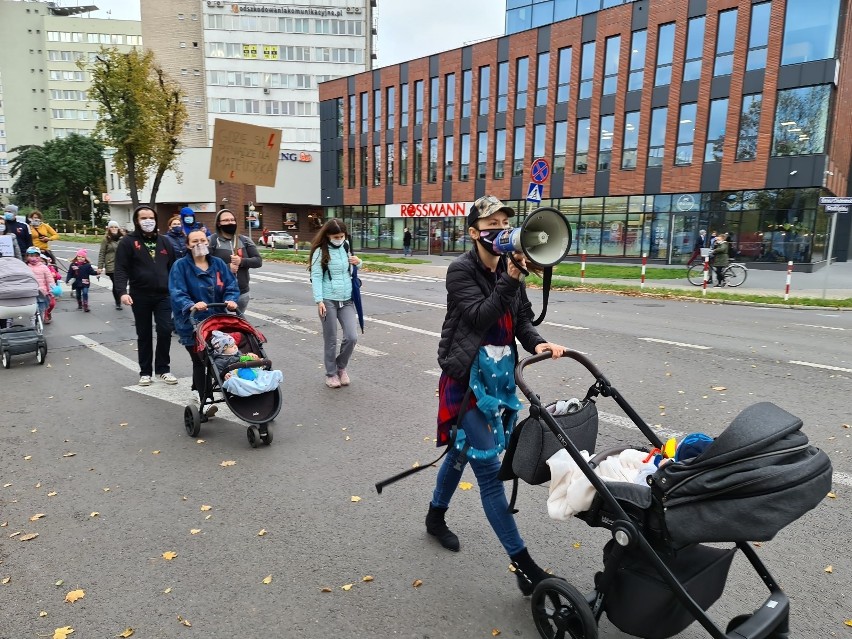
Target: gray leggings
343, 312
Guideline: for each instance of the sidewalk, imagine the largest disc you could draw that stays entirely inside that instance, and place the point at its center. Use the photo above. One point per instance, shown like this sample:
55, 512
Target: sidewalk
836, 279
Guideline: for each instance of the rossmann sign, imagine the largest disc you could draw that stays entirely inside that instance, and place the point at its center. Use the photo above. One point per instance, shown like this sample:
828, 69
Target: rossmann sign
429, 209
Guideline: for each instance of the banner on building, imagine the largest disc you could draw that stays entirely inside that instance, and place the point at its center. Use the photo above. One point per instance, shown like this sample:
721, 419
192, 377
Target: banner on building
244, 153
429, 209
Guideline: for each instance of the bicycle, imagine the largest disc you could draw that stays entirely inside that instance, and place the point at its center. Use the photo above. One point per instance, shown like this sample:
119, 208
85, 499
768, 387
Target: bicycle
735, 274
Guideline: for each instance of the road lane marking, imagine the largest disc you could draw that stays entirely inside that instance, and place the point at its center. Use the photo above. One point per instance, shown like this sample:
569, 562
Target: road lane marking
290, 326
118, 358
665, 341
402, 299
828, 328
822, 366
575, 328
403, 327
435, 373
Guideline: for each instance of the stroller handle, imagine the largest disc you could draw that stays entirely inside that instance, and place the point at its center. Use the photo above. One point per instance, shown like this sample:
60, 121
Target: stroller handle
533, 359
193, 311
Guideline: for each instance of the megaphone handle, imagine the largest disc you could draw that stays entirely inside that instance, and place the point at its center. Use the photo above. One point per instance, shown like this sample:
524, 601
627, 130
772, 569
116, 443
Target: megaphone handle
520, 268
545, 293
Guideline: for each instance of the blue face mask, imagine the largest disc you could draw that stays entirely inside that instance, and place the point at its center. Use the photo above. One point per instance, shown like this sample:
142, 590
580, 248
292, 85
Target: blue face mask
188, 220
9, 217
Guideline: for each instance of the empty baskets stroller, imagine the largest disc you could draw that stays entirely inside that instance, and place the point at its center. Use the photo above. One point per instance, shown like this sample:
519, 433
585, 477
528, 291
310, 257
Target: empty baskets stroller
257, 409
756, 477
19, 297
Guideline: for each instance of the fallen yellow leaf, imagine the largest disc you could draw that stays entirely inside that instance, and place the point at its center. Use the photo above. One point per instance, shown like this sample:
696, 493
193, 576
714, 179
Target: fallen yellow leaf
832, 495
94, 513
848, 622
184, 622
229, 462
355, 498
326, 589
5, 580
348, 438
129, 632
719, 388
42, 614
74, 595
465, 485
346, 586
267, 580
62, 633
205, 508
167, 591
37, 516
6, 485
495, 632
28, 458
576, 544
106, 490
14, 534
194, 531
69, 454
367, 578
59, 583
28, 537
417, 583
262, 532
38, 485
829, 569
155, 452
207, 517
199, 441
123, 424
52, 494
168, 556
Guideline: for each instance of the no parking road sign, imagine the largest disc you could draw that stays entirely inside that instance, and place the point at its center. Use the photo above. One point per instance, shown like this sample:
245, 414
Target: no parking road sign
540, 171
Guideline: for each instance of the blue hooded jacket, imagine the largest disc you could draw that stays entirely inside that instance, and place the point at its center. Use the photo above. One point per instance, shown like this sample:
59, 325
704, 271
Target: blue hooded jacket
193, 224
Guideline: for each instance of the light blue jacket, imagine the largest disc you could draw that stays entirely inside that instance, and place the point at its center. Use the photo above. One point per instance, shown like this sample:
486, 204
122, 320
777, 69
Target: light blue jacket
336, 283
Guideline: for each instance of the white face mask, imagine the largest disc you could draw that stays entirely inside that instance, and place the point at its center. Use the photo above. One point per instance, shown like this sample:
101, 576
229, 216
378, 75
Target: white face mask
200, 250
2, 228
36, 222
336, 243
148, 226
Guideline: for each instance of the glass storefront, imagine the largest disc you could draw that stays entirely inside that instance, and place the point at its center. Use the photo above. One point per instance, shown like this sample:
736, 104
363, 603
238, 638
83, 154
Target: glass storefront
775, 225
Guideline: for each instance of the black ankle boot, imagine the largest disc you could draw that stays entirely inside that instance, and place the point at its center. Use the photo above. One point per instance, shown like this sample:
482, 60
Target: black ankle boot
527, 572
437, 527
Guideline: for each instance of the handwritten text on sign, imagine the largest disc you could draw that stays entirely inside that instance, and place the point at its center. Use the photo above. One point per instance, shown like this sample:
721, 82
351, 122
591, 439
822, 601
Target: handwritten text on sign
244, 153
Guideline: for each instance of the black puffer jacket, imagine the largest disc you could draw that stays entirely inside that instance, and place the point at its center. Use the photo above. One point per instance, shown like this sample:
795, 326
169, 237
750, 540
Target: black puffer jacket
474, 304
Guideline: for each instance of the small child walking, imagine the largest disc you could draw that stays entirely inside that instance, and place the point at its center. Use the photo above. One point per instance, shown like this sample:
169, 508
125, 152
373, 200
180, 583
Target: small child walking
80, 271
45, 282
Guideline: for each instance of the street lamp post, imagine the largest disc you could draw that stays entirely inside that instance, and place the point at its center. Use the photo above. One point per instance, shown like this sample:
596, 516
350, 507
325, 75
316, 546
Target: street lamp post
93, 201
251, 217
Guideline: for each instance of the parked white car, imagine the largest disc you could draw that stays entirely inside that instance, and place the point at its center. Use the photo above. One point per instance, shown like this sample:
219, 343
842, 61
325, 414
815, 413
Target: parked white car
278, 240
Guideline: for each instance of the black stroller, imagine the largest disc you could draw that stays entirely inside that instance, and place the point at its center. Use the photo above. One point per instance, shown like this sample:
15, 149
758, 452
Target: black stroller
20, 297
756, 477
259, 409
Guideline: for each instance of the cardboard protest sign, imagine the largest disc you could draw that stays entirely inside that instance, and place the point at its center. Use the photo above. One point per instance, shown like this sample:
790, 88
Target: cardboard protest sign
7, 249
244, 153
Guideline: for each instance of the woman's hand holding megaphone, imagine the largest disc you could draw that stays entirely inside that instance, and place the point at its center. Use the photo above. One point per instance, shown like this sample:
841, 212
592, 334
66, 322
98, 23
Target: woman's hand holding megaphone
512, 265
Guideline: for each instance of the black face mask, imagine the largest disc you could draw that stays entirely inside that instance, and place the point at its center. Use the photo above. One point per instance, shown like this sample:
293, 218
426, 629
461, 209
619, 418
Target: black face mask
230, 229
486, 239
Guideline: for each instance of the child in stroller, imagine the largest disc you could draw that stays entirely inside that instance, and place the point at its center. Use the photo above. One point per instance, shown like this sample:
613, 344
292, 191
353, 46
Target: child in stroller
240, 381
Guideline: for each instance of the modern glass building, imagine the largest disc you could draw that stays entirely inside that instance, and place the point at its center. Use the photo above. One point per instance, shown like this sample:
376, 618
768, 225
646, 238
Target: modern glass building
528, 14
656, 118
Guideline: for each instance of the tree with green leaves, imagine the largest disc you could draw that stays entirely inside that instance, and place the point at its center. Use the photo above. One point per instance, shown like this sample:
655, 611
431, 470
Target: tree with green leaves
141, 115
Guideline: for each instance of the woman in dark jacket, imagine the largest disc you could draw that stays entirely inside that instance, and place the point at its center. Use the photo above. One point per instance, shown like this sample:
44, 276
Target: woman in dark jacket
486, 307
237, 251
721, 257
106, 257
176, 236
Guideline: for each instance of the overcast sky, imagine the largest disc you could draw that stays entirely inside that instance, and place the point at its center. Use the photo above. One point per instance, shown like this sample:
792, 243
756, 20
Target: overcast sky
407, 28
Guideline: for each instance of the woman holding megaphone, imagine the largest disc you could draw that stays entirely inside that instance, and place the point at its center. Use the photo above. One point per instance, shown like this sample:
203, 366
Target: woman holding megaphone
487, 309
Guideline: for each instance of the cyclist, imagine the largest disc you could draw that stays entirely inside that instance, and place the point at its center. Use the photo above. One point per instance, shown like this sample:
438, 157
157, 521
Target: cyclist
721, 257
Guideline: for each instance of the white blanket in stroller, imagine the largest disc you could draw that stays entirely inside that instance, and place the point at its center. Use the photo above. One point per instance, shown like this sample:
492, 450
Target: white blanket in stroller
264, 382
570, 490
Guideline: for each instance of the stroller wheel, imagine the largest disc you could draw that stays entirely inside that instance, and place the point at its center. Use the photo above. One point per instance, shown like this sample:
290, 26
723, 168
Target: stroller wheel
192, 420
560, 610
265, 435
41, 354
7, 359
253, 436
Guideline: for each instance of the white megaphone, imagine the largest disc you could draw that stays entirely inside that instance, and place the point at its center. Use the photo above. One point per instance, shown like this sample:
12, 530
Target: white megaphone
544, 238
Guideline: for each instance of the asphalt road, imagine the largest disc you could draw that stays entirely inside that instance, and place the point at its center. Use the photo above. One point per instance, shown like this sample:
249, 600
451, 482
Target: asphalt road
134, 466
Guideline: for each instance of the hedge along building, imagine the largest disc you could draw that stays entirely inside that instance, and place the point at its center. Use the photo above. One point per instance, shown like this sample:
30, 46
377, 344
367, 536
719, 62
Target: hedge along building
657, 119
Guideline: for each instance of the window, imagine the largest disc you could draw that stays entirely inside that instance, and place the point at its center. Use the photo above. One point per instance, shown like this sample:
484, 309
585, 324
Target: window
449, 97
518, 150
665, 53
605, 142
563, 87
657, 137
685, 134
581, 152
522, 72
810, 30
351, 168
403, 163
612, 51
389, 155
499, 153
432, 175
564, 9
365, 158
351, 114
339, 154
377, 165
403, 105
801, 117
365, 108
587, 70
338, 107
418, 162
630, 146
448, 158
377, 109
418, 102
467, 90
484, 89
638, 47
713, 148
391, 106
560, 145
433, 99
542, 74
464, 158
758, 38
725, 40
481, 155
694, 48
502, 87
749, 125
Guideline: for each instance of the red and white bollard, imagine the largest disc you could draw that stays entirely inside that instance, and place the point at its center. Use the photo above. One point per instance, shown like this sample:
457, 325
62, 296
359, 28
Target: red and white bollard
706, 275
644, 264
789, 277
583, 268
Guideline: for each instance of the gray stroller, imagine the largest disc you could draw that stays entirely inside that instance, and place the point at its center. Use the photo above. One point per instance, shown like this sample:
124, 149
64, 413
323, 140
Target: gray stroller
19, 297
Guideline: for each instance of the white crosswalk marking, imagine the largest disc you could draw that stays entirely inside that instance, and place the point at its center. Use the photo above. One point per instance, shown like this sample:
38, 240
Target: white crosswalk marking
304, 278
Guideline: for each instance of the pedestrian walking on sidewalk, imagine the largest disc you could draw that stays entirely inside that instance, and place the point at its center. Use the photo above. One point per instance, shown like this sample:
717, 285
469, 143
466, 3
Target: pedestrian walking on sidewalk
106, 257
721, 257
406, 242
237, 251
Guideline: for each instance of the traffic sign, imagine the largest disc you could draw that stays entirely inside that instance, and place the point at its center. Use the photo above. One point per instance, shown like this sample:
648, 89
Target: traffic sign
836, 208
534, 193
540, 171
845, 201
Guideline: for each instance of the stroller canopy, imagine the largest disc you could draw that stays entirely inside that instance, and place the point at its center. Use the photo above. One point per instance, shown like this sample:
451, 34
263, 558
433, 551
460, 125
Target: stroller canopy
225, 323
18, 286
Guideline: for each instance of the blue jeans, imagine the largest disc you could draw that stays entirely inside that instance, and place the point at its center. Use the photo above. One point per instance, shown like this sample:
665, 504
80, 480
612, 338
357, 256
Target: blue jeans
491, 490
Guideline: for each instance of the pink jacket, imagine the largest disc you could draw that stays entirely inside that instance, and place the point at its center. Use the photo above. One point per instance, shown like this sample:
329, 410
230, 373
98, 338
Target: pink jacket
43, 276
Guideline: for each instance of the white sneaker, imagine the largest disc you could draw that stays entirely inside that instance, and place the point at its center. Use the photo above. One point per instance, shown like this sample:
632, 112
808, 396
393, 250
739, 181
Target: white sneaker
168, 378
145, 380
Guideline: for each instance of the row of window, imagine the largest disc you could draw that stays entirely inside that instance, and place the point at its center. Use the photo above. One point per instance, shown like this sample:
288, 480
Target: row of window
69, 76
73, 114
94, 38
262, 107
268, 80
71, 56
287, 53
527, 14
69, 94
320, 26
801, 120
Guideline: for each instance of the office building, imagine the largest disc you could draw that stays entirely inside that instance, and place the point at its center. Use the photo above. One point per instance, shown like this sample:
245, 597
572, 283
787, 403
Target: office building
657, 119
528, 14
